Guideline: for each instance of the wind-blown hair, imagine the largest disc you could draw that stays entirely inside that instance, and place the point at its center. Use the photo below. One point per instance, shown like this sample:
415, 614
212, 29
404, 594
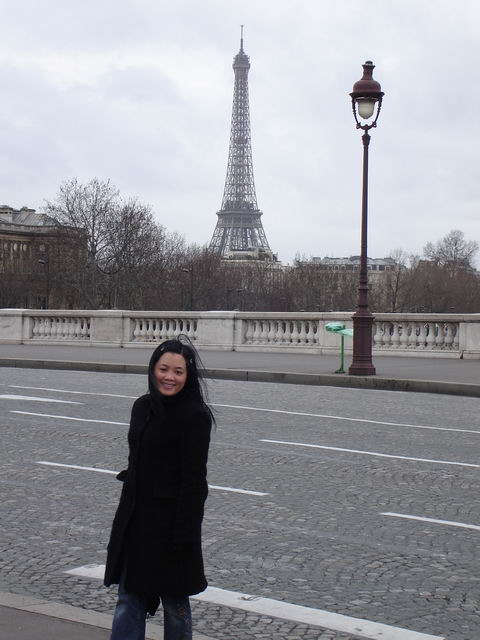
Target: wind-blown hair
194, 385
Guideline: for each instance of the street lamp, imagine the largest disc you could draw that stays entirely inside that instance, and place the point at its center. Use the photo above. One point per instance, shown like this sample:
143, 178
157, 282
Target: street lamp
46, 264
239, 306
366, 103
190, 271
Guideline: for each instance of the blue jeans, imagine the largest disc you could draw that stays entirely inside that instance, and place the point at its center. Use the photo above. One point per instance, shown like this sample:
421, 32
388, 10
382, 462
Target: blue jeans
130, 617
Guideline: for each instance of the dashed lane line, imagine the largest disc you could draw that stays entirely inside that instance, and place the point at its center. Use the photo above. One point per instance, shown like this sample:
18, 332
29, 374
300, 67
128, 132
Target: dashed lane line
11, 396
76, 466
46, 415
111, 472
287, 611
371, 453
83, 393
450, 523
345, 418
292, 413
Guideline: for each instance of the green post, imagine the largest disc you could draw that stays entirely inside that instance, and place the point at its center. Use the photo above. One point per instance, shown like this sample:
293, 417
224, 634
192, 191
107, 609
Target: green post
342, 355
337, 327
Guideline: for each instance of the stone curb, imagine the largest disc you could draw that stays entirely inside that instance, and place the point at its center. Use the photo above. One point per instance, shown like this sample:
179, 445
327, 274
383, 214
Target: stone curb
73, 614
320, 379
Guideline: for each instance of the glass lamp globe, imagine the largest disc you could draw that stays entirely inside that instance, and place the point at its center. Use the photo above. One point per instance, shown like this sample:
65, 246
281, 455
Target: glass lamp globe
366, 107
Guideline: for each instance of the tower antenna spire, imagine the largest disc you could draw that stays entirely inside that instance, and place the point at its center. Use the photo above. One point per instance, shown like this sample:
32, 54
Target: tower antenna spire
241, 38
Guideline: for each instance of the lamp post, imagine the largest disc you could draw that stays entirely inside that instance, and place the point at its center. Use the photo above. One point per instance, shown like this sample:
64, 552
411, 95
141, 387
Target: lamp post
239, 306
229, 291
190, 271
366, 95
46, 264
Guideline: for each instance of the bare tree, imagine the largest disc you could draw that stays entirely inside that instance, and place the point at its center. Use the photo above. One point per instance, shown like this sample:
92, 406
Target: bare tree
452, 252
124, 244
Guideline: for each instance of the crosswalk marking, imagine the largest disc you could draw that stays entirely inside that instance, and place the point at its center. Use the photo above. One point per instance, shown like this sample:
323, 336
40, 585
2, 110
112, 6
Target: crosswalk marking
279, 609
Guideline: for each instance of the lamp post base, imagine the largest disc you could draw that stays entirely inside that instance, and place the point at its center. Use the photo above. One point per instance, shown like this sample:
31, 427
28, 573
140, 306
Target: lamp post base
362, 364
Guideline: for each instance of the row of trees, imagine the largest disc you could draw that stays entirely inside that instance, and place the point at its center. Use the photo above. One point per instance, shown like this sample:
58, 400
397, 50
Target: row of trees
126, 260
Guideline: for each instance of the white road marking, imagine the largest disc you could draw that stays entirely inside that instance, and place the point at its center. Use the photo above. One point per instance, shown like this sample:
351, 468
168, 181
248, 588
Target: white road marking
322, 415
76, 466
292, 413
247, 491
288, 611
109, 471
7, 396
450, 523
46, 415
372, 453
84, 393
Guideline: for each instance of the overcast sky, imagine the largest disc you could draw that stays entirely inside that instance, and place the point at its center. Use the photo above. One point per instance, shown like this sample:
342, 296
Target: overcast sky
140, 92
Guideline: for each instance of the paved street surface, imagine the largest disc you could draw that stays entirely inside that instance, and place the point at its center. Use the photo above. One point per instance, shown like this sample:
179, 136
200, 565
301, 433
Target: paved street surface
355, 502
419, 368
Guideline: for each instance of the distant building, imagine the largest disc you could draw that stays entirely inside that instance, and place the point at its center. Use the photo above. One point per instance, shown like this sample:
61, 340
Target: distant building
255, 253
35, 254
375, 266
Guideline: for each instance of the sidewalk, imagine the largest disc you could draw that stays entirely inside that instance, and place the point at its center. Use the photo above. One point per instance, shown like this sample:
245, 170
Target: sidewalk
397, 373
28, 618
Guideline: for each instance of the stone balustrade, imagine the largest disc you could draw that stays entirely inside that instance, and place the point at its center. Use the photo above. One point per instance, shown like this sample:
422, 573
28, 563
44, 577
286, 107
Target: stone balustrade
442, 335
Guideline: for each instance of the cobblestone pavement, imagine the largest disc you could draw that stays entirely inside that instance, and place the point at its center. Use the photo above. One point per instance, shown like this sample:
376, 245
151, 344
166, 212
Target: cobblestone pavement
317, 539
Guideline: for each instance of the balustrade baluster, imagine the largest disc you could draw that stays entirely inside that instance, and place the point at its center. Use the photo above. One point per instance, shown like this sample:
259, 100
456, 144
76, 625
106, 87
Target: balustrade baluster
422, 335
430, 342
395, 337
41, 327
448, 342
76, 328
278, 332
295, 334
35, 327
315, 332
256, 332
404, 335
71, 328
377, 335
272, 332
412, 336
440, 334
53, 328
156, 330
248, 324
302, 334
136, 330
149, 330
287, 332
454, 327
263, 331
143, 330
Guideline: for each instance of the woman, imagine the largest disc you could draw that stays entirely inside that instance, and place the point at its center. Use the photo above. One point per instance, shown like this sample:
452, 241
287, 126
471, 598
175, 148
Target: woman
155, 550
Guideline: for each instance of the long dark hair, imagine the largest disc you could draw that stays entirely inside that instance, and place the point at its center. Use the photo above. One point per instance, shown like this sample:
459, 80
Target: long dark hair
195, 384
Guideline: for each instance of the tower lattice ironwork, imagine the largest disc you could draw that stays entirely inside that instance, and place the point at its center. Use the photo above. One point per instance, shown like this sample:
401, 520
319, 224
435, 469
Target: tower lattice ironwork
239, 226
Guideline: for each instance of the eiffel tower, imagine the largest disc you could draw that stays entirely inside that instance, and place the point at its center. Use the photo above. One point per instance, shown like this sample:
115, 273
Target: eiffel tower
239, 226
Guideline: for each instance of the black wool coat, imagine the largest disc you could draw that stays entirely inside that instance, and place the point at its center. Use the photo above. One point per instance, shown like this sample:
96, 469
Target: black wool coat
157, 526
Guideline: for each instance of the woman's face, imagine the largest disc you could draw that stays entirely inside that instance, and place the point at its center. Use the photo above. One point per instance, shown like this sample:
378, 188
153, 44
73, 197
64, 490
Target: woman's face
170, 373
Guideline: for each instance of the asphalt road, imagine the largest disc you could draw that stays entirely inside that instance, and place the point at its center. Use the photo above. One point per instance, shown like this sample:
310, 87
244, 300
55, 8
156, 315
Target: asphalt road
330, 463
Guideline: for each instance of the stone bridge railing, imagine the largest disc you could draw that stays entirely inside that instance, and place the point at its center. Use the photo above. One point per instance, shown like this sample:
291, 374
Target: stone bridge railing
443, 335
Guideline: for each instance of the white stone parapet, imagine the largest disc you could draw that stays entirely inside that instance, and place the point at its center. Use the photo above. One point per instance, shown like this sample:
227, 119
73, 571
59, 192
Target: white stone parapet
442, 335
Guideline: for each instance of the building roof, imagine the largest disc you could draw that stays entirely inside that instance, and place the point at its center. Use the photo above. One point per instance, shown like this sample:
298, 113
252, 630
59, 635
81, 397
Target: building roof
11, 218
